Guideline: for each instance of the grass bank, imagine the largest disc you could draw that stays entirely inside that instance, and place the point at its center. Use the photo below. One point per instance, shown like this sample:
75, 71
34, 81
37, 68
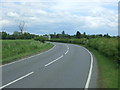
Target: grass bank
108, 71
17, 49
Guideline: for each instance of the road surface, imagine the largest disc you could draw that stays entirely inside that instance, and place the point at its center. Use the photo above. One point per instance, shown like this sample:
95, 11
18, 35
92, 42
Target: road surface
63, 66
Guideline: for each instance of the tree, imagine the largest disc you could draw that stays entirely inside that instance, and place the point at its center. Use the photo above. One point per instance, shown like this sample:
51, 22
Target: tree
106, 35
21, 26
17, 34
4, 35
78, 34
63, 32
84, 33
40, 38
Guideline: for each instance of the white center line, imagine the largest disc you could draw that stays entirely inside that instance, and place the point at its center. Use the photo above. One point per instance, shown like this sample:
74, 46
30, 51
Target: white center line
16, 80
67, 49
66, 52
67, 46
58, 57
53, 61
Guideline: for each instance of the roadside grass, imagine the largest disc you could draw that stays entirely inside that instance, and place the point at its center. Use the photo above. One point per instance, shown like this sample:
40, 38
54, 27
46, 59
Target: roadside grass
16, 49
108, 70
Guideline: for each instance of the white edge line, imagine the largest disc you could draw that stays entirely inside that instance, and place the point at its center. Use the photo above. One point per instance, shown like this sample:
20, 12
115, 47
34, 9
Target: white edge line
16, 80
90, 71
53, 61
28, 57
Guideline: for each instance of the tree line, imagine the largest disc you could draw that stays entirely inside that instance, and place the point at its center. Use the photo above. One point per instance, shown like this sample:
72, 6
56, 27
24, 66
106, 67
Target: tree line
20, 35
78, 35
17, 35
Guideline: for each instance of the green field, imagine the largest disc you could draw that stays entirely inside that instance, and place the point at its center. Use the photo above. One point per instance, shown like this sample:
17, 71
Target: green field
16, 49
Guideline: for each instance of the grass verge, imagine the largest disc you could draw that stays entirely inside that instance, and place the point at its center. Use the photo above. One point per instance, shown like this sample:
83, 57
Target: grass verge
16, 49
108, 71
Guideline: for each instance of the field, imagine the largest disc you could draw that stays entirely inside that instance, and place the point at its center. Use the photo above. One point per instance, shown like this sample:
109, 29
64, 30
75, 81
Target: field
16, 49
106, 53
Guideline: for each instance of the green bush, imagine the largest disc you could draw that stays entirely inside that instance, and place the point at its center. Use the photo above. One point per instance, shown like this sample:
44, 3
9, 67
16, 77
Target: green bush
40, 38
74, 41
107, 46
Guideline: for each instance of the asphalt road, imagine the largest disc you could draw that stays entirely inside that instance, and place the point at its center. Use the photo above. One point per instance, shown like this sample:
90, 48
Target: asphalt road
63, 66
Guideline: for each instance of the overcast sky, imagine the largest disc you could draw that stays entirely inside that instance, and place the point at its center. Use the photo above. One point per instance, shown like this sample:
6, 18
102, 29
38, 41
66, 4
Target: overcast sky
49, 16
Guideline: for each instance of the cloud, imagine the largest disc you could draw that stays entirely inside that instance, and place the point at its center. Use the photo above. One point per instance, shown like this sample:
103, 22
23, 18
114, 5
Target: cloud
100, 17
13, 14
4, 22
62, 14
61, 1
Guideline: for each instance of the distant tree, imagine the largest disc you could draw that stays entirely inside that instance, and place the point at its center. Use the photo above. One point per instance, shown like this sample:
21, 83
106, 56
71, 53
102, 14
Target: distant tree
21, 26
26, 35
17, 34
106, 35
63, 32
78, 34
40, 38
84, 33
100, 35
92, 36
4, 35
58, 36
0, 35
52, 36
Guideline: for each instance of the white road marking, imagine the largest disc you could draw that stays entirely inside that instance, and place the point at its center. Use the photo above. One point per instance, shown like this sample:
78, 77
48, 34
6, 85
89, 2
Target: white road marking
67, 49
67, 46
27, 57
58, 57
16, 80
90, 70
66, 52
53, 61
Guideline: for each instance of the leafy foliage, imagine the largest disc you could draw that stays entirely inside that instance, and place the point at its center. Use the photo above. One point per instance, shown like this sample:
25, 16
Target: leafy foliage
107, 46
17, 35
40, 38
